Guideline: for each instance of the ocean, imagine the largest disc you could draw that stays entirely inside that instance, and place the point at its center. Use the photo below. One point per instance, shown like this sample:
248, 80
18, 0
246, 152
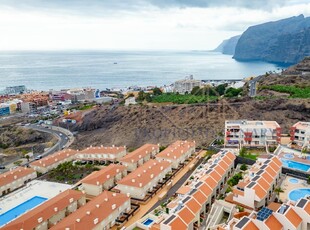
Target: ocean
119, 69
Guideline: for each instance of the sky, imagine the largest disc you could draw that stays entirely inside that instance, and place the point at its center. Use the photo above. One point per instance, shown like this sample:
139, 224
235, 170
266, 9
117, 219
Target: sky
134, 24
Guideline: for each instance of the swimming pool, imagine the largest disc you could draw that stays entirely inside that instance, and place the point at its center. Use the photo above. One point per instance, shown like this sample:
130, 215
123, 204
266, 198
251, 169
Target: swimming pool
20, 209
293, 181
148, 222
289, 155
296, 194
295, 165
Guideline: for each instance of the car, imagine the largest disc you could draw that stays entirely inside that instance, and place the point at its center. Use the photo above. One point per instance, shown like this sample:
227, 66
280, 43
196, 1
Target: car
38, 157
2, 167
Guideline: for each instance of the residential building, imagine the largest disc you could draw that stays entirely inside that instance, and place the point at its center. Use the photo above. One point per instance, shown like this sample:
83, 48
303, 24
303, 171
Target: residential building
186, 85
50, 162
144, 179
286, 216
102, 154
14, 179
195, 197
252, 133
256, 189
139, 156
13, 90
300, 134
104, 179
99, 213
50, 212
177, 152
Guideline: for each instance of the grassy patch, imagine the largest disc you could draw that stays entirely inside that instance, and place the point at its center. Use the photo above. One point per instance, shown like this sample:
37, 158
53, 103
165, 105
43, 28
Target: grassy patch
182, 99
250, 156
294, 91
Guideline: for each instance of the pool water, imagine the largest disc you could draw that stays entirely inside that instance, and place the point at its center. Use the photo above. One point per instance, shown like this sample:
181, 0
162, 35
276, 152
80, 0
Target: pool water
148, 221
295, 165
293, 181
20, 209
289, 155
296, 194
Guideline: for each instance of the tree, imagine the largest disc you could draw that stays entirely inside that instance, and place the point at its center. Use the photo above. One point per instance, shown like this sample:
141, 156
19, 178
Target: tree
147, 97
232, 92
27, 157
157, 91
141, 96
195, 90
220, 89
242, 152
244, 167
278, 190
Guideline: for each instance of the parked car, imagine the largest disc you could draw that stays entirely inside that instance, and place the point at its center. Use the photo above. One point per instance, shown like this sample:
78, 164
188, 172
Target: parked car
2, 167
38, 157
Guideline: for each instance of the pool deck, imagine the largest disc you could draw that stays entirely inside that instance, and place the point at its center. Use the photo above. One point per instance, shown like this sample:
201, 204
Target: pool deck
288, 186
34, 188
297, 156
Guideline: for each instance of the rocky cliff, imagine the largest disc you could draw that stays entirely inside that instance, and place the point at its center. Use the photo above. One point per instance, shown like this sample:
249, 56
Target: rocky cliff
285, 41
228, 46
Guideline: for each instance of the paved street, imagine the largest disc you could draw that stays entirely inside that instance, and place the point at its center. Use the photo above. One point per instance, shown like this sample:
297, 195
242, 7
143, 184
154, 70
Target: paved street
252, 85
65, 138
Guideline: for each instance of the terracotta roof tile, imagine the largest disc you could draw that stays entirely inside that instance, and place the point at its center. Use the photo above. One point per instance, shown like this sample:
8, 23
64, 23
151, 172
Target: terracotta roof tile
193, 205
103, 150
307, 208
250, 226
216, 176
177, 224
15, 174
273, 224
263, 184
259, 191
103, 175
210, 182
267, 177
200, 197
45, 211
99, 208
184, 190
176, 150
293, 217
186, 215
205, 189
271, 171
145, 173
53, 158
139, 153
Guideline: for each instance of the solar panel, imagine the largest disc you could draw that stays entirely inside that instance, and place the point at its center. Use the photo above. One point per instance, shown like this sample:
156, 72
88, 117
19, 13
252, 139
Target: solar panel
301, 203
212, 166
169, 219
210, 170
198, 184
251, 184
192, 192
259, 172
255, 178
186, 199
263, 167
267, 162
242, 222
264, 213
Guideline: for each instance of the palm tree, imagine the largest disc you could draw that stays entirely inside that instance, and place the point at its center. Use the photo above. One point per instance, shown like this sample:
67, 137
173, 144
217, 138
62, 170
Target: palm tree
278, 190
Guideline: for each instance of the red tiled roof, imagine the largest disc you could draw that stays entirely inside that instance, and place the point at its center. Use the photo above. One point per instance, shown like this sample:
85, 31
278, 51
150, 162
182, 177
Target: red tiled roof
94, 212
53, 158
45, 211
139, 153
15, 174
176, 150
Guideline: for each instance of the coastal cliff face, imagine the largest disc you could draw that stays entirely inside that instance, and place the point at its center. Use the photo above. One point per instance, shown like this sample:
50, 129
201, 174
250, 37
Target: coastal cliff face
285, 41
228, 46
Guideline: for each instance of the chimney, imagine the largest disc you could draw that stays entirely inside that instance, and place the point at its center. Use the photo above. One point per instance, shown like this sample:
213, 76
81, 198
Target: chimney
96, 221
108, 176
133, 180
113, 206
88, 212
114, 194
78, 220
128, 194
152, 175
105, 199
117, 170
140, 185
97, 182
140, 156
97, 205
56, 209
161, 168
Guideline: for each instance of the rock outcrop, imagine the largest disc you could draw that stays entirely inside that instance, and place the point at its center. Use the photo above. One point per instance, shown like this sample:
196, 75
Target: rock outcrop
286, 41
228, 46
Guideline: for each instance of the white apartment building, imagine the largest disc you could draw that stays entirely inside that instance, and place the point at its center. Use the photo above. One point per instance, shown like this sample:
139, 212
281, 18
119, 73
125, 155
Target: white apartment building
256, 189
102, 154
104, 179
144, 178
186, 85
139, 156
49, 213
300, 134
177, 152
251, 133
99, 213
50, 162
16, 178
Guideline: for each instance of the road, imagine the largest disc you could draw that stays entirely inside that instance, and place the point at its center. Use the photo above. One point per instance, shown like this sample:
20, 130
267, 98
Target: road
65, 138
252, 84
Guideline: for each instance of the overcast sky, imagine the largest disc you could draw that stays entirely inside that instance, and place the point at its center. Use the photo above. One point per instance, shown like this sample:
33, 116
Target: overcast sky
134, 24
